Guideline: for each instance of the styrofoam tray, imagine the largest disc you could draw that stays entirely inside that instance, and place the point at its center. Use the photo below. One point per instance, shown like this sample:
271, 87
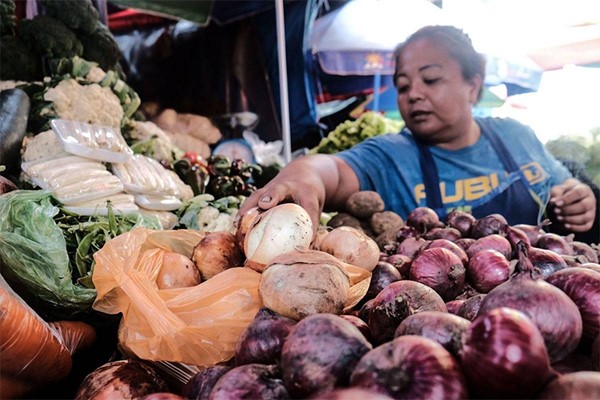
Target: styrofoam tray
103, 143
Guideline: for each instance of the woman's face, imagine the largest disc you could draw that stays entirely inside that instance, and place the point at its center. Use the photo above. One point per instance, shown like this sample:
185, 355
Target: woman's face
433, 98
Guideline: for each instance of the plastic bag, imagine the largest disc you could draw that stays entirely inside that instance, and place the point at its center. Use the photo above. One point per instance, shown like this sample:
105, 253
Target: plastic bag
199, 325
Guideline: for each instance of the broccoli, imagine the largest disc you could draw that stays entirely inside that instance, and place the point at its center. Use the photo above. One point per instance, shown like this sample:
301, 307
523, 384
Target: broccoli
49, 37
79, 15
7, 17
19, 63
101, 47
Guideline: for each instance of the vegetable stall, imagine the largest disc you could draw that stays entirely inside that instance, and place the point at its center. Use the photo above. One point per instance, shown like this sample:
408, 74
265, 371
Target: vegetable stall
124, 271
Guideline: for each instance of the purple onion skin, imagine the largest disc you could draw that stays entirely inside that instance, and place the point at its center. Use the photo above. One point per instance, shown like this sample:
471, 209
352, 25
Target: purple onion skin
201, 384
401, 262
488, 225
382, 275
261, 341
470, 307
250, 381
447, 233
405, 232
453, 247
454, 305
359, 323
423, 219
533, 232
592, 266
582, 385
551, 310
465, 243
555, 242
583, 287
351, 393
576, 361
162, 396
364, 310
397, 301
461, 221
411, 246
545, 261
320, 353
442, 327
441, 270
504, 356
411, 367
493, 241
487, 269
596, 354
584, 249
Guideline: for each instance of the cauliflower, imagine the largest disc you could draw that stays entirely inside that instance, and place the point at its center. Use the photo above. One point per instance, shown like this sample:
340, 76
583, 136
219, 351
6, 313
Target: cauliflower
211, 219
92, 103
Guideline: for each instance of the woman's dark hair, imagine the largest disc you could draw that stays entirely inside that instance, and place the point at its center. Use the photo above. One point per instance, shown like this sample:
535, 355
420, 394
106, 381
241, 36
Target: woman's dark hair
459, 46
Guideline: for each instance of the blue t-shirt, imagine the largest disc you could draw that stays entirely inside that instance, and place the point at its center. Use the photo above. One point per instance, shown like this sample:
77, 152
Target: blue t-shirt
389, 165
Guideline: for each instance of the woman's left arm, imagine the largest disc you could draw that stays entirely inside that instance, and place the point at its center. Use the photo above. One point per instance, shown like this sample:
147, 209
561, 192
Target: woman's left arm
574, 205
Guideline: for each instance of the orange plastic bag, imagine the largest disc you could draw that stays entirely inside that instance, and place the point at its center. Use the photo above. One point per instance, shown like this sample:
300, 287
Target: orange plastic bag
199, 325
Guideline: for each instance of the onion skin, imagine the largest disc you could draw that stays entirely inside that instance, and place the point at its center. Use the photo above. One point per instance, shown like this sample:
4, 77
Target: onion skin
442, 327
382, 275
320, 353
504, 356
453, 247
552, 311
465, 243
596, 353
262, 340
494, 241
397, 301
351, 246
200, 385
352, 393
461, 221
592, 266
584, 249
454, 305
545, 261
470, 308
411, 367
411, 246
487, 269
533, 232
583, 287
488, 225
401, 262
250, 381
447, 233
441, 270
583, 385
423, 219
555, 242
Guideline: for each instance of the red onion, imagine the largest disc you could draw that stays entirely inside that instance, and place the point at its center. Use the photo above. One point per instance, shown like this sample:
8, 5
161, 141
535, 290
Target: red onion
441, 270
514, 236
382, 275
504, 356
365, 310
453, 247
470, 308
461, 220
494, 241
411, 367
555, 242
359, 323
545, 261
582, 385
582, 285
445, 328
262, 340
465, 243
487, 269
397, 301
200, 385
405, 232
584, 249
401, 262
487, 225
448, 233
576, 361
423, 219
320, 353
454, 305
552, 311
532, 231
411, 246
350, 393
250, 381
592, 266
596, 353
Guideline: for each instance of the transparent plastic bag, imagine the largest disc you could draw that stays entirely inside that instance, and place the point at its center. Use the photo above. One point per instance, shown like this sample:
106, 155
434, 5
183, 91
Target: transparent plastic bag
198, 325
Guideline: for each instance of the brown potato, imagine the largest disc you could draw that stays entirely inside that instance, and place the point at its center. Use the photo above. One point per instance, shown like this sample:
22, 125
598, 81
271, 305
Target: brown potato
365, 203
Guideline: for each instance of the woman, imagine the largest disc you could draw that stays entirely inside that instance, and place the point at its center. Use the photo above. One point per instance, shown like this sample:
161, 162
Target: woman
445, 158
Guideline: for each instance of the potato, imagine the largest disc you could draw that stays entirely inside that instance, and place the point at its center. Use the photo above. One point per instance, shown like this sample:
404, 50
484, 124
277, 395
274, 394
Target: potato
177, 271
344, 219
217, 252
365, 203
385, 220
301, 283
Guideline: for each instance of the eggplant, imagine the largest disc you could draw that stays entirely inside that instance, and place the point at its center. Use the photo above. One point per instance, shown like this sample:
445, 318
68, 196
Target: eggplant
14, 112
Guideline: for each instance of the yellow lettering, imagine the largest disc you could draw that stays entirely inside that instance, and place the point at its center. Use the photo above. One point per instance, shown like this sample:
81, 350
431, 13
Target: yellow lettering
458, 195
477, 187
533, 172
494, 180
420, 192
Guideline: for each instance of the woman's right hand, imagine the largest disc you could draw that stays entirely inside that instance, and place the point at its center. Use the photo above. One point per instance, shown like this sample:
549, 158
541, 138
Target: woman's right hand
309, 181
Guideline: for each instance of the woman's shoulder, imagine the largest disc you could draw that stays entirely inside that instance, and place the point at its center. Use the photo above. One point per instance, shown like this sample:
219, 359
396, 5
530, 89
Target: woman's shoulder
507, 128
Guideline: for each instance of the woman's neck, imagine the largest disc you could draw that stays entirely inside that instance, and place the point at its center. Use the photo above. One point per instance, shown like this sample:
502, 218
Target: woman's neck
470, 136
